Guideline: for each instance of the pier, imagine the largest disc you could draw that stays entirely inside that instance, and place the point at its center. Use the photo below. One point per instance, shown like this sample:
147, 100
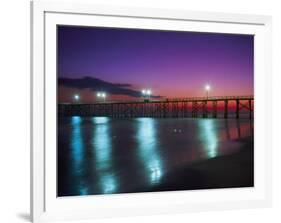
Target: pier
196, 107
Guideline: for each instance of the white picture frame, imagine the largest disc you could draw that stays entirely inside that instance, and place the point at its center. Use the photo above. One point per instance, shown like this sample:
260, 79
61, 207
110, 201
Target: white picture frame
44, 203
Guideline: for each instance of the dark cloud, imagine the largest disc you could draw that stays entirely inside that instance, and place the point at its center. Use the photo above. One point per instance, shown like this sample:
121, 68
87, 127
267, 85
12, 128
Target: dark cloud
96, 84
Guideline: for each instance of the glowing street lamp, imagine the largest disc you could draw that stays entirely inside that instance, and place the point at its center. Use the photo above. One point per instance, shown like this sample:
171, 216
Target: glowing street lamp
101, 95
207, 88
76, 97
146, 93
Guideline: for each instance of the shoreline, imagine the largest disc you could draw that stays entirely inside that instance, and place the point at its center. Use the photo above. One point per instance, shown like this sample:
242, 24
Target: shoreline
227, 171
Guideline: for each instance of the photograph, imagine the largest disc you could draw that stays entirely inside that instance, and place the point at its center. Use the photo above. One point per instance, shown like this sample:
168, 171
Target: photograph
147, 110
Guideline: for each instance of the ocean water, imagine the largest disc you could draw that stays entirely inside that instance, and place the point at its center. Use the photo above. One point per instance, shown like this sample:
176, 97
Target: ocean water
101, 155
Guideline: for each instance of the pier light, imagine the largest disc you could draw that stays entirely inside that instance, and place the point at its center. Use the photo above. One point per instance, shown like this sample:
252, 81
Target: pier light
76, 97
207, 88
146, 92
101, 95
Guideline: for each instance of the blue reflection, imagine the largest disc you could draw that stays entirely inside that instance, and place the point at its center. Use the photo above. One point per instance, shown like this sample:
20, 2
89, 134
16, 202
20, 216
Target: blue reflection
147, 141
84, 191
101, 142
109, 184
102, 145
76, 142
100, 120
77, 153
208, 134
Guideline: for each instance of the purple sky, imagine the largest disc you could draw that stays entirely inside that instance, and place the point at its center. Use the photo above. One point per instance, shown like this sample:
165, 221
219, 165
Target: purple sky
172, 64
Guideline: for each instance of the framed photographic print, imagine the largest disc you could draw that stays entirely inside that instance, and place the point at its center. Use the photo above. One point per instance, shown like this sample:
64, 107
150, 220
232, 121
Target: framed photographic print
145, 111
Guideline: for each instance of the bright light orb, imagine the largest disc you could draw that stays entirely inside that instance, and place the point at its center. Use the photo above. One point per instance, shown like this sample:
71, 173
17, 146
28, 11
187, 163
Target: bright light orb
146, 92
76, 97
103, 95
98, 94
207, 87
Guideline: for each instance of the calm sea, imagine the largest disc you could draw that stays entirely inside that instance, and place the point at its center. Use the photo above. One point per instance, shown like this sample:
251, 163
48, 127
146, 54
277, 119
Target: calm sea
100, 155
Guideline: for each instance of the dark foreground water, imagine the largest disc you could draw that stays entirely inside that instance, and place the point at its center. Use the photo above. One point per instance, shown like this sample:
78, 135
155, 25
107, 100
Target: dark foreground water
100, 155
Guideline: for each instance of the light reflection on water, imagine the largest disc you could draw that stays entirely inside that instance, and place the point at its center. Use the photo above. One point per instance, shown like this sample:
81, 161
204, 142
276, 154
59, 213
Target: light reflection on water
76, 142
148, 148
100, 155
101, 143
209, 137
77, 153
